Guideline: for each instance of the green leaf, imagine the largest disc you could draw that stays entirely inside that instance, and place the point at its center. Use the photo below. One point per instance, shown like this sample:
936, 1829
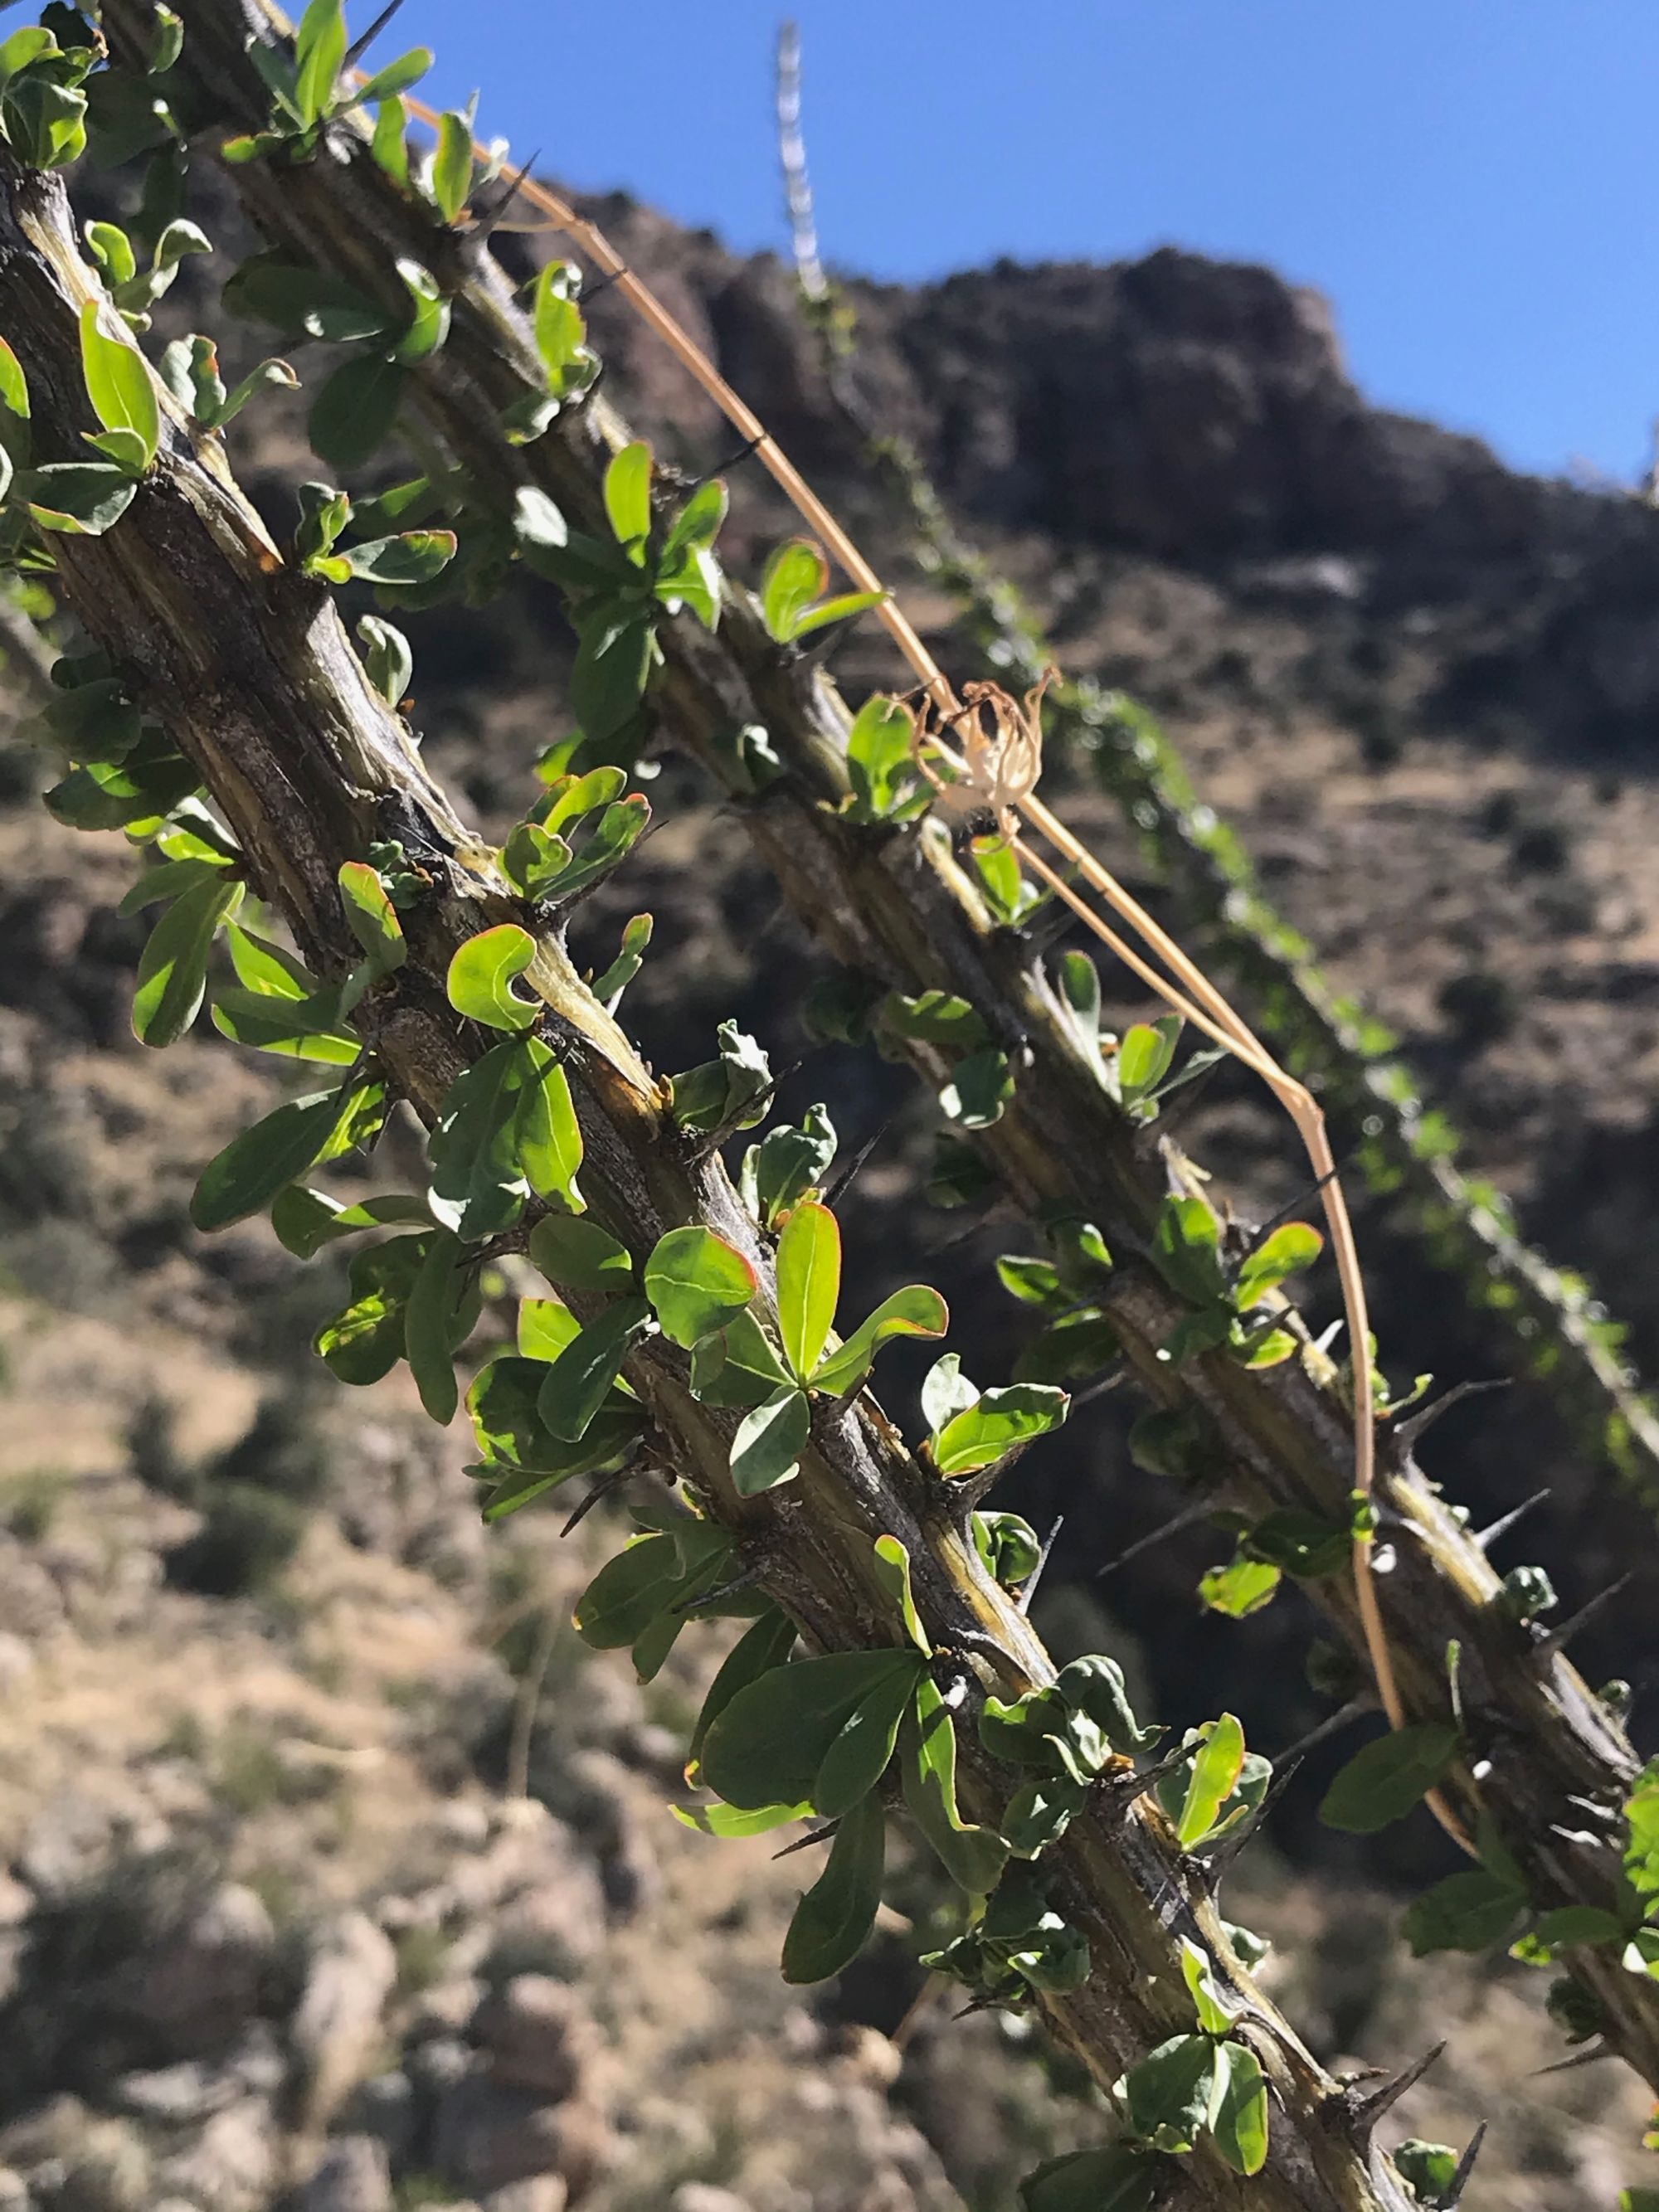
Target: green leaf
973, 1857
411, 559
1243, 1587
43, 121
1641, 1820
786, 1165
627, 496
636, 935
253, 1167
1080, 992
726, 1820
355, 410
82, 499
859, 1756
111, 249
1215, 1773
168, 879
1570, 1925
303, 302
1285, 1253
809, 1285
118, 383
791, 581
767, 1447
840, 609
978, 1089
481, 976
506, 1128
366, 1339
996, 1423
1008, 1545
881, 759
319, 49
512, 1435
937, 1017
737, 1366
575, 1253
372, 917
388, 662
397, 76
389, 145
1239, 2117
1118, 2178
559, 330
574, 1386
124, 447
14, 384
1428, 2169
307, 1220
724, 1093
429, 1322
1169, 2096
696, 1282
173, 967
756, 1652
452, 166
1143, 1057
834, 1917
1185, 1252
1070, 1350
649, 1574
698, 522
893, 1572
1215, 2015
1382, 1783
545, 1326
767, 1745
914, 1311
1468, 1911
299, 1029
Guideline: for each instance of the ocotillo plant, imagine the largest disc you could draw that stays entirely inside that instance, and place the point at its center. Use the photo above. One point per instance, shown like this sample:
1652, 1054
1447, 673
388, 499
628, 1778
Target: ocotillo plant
220, 669
220, 664
1018, 1062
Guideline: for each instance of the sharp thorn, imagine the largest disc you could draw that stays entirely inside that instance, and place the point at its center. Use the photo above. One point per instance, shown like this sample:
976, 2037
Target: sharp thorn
1189, 1517
1023, 1602
802, 1842
1487, 1537
1111, 1380
1458, 2181
1265, 1229
843, 1180
1147, 1777
1408, 1433
728, 1588
602, 1489
1366, 2111
604, 283
1215, 1863
1579, 2058
484, 219
1293, 1753
355, 51
748, 447
979, 2004
1558, 1638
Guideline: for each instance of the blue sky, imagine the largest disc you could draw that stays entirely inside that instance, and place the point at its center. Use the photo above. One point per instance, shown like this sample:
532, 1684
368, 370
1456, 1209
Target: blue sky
1474, 184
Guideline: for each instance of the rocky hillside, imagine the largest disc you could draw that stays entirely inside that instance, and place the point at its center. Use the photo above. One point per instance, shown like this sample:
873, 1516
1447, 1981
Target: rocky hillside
337, 1874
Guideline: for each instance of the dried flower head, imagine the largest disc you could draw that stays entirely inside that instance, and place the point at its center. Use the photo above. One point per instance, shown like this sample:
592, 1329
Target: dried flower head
994, 747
